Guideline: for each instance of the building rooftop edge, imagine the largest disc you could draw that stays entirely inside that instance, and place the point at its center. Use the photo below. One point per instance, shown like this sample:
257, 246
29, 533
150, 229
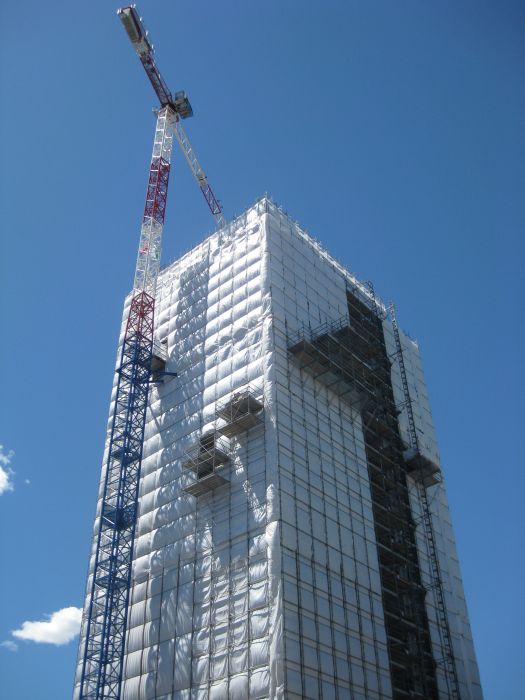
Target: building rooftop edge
229, 230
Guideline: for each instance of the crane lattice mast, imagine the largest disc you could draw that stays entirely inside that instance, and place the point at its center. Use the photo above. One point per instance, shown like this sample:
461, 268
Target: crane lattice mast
110, 577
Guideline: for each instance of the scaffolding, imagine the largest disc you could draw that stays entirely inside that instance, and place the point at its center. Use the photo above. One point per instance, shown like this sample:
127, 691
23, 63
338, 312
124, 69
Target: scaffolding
426, 473
159, 361
205, 459
421, 468
349, 357
159, 358
239, 413
326, 355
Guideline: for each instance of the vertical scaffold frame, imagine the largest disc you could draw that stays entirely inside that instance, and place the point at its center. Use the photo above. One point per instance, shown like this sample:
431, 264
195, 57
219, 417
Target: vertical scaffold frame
349, 356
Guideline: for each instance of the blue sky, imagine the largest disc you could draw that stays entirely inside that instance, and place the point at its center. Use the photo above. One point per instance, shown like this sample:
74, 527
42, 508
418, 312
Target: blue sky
391, 131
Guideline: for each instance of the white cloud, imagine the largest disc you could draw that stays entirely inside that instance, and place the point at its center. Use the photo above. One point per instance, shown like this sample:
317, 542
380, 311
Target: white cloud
6, 474
61, 628
9, 645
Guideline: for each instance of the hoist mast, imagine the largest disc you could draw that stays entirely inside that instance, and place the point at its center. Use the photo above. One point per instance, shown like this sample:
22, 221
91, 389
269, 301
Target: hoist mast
105, 624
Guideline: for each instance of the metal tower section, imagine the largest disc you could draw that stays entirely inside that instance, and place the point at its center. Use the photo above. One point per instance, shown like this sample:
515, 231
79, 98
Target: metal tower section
107, 617
448, 661
106, 621
148, 258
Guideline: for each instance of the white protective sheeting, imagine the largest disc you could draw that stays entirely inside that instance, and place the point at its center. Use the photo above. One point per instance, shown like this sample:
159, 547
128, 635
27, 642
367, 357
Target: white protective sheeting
202, 599
269, 586
332, 614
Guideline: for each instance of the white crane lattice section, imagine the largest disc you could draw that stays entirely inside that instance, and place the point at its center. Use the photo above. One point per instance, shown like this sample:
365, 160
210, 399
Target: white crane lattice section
148, 259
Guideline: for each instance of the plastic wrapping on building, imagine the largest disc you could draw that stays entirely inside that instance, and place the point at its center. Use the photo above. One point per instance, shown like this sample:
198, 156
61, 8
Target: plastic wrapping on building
267, 586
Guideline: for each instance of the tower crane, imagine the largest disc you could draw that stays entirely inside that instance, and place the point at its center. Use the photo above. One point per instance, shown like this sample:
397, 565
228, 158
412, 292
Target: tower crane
105, 624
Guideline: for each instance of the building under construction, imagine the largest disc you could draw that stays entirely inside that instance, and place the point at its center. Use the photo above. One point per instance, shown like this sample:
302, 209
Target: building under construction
293, 538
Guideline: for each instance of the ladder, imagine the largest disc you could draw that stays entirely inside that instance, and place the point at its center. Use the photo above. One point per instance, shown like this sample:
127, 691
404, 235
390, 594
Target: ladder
448, 661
